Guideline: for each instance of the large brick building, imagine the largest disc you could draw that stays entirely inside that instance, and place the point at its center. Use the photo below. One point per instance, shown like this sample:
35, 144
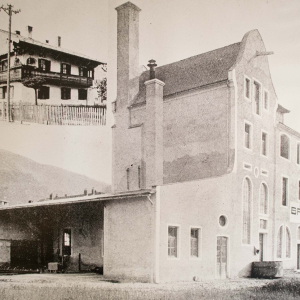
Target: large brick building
205, 173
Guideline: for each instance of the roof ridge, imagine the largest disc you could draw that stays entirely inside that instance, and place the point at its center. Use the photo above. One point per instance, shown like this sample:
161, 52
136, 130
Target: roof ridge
175, 62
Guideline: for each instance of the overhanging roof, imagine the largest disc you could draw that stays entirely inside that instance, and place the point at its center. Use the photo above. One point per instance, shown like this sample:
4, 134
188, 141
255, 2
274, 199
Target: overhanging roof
83, 199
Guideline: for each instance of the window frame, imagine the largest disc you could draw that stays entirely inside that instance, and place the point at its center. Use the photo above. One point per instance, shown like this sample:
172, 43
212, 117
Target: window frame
266, 144
263, 183
288, 246
250, 212
266, 92
79, 94
47, 65
256, 82
66, 67
250, 135
178, 240
199, 229
67, 249
246, 78
280, 230
48, 92
289, 146
68, 95
286, 191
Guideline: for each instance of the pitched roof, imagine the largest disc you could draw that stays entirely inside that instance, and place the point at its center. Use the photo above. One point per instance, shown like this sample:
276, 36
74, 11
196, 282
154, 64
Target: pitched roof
193, 72
17, 38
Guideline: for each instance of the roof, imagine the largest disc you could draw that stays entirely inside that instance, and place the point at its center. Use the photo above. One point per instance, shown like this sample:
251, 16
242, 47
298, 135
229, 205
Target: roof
83, 199
193, 72
282, 110
17, 38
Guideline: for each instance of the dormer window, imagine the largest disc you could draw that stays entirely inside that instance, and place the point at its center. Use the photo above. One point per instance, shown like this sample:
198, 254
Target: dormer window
65, 68
83, 71
44, 65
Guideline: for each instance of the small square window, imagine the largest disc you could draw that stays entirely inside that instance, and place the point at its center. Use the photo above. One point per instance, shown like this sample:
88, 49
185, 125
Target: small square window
173, 241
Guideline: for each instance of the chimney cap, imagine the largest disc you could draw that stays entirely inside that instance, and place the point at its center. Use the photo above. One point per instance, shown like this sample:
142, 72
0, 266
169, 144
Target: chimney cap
152, 63
128, 5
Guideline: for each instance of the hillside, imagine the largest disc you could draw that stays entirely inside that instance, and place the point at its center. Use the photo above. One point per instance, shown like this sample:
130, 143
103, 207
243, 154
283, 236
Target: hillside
22, 179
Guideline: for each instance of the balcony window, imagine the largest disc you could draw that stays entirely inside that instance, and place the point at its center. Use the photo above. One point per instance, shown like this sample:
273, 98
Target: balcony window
90, 74
65, 69
82, 94
82, 71
3, 65
30, 61
43, 92
44, 65
65, 93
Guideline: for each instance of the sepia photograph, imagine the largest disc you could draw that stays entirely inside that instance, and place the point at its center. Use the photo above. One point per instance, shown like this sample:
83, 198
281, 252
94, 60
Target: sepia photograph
149, 149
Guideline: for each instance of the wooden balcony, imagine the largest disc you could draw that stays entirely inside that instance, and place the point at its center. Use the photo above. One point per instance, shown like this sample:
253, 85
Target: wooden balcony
55, 78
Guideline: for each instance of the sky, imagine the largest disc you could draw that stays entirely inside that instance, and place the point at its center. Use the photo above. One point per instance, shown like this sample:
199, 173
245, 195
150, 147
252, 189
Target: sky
171, 30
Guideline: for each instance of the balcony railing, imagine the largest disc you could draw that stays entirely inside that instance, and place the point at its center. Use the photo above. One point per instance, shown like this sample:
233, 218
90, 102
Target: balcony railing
20, 72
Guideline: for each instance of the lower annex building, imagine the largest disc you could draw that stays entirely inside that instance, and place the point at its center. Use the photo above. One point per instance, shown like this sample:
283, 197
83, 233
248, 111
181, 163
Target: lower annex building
205, 174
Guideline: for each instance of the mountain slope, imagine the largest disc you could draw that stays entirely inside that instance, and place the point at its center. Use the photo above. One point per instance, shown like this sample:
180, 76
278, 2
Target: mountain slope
22, 179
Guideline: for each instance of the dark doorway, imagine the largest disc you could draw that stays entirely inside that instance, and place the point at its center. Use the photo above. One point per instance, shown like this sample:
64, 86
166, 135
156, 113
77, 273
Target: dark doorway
24, 254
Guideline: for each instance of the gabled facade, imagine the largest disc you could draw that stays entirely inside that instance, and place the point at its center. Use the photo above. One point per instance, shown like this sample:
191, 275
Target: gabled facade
68, 75
204, 133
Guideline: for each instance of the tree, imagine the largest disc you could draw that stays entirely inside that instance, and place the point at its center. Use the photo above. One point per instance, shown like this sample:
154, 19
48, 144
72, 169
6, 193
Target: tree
34, 83
102, 89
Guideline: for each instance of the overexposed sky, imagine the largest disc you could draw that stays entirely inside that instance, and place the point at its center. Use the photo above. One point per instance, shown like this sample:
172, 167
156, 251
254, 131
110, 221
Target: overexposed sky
171, 30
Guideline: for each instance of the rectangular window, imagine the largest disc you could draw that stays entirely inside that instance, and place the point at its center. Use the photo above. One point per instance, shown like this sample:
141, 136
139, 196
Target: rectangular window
82, 94
43, 92
195, 238
266, 100
3, 65
247, 88
257, 97
298, 154
83, 71
3, 91
172, 241
65, 69
264, 143
248, 136
90, 73
65, 93
67, 242
262, 224
284, 191
44, 65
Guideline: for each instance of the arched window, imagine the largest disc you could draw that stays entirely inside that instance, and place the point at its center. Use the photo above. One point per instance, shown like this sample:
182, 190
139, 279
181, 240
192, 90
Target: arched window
284, 146
279, 242
30, 61
246, 211
263, 199
287, 243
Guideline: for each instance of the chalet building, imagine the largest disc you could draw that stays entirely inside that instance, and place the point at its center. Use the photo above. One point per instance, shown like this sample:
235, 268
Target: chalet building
68, 75
206, 175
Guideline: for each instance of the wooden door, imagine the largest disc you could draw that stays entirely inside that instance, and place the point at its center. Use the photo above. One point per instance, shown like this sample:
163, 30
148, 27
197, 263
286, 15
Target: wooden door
261, 247
222, 257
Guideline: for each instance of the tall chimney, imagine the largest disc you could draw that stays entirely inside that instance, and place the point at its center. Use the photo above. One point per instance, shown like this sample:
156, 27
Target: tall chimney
29, 29
128, 53
58, 41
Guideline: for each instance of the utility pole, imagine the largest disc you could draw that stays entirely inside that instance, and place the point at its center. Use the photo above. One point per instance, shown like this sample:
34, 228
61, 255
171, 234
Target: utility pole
9, 11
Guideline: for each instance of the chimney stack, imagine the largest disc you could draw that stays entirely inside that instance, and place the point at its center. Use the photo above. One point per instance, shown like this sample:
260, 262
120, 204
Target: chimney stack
128, 54
29, 29
58, 41
152, 64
